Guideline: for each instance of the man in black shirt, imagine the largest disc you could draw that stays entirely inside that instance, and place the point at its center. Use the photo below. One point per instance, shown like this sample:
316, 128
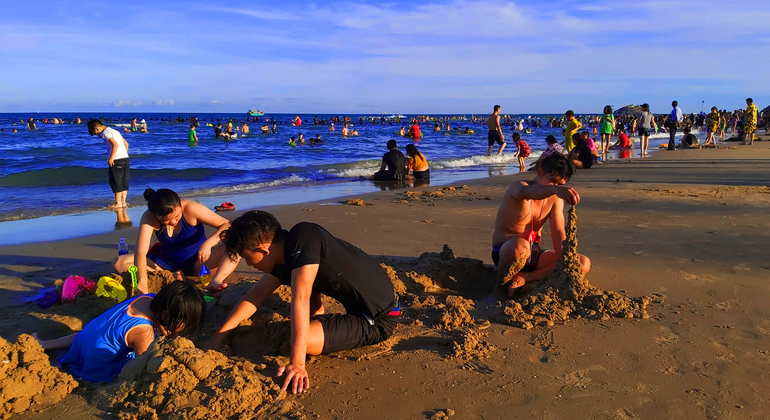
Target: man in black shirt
313, 262
581, 155
394, 161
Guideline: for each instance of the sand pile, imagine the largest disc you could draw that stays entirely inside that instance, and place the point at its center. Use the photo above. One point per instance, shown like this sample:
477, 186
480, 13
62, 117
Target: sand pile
27, 379
565, 293
155, 280
356, 202
471, 346
174, 380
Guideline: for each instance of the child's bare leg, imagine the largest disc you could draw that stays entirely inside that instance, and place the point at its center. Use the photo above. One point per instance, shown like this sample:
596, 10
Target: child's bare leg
57, 343
220, 266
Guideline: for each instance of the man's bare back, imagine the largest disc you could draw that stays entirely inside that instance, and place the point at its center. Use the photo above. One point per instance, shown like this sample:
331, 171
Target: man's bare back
493, 121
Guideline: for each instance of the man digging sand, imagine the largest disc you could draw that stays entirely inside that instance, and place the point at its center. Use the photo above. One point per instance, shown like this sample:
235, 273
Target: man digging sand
525, 208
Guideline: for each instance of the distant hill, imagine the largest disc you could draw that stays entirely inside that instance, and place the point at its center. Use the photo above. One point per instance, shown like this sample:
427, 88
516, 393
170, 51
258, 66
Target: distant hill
629, 109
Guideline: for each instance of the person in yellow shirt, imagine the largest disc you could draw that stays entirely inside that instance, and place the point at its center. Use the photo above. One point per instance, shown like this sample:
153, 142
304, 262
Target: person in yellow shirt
749, 122
573, 125
417, 164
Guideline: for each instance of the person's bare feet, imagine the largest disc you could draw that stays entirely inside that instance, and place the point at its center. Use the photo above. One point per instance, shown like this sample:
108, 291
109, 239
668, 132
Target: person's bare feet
215, 287
517, 282
179, 275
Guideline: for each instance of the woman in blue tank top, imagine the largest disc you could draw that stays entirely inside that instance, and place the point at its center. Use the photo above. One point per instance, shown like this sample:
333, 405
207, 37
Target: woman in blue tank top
182, 246
106, 344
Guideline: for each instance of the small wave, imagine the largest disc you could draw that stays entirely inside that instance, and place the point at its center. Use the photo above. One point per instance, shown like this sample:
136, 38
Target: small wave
242, 188
479, 160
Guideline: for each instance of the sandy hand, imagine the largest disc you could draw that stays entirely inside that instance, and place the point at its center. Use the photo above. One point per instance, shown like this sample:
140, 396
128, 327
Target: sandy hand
296, 376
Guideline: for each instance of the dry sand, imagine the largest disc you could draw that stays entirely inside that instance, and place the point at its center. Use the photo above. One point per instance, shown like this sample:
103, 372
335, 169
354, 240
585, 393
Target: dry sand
687, 229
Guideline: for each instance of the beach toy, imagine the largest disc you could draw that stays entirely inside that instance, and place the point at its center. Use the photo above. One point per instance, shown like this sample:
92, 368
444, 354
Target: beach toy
205, 276
45, 298
133, 269
226, 206
73, 286
111, 288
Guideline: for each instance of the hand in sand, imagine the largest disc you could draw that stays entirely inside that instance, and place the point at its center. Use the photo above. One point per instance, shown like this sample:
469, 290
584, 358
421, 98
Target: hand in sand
570, 195
296, 376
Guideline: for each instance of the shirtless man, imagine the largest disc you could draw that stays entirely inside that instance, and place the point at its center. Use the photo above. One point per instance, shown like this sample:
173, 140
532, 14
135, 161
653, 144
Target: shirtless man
495, 131
526, 207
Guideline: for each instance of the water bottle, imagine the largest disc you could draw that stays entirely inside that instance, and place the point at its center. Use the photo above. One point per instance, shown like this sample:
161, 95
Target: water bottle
122, 247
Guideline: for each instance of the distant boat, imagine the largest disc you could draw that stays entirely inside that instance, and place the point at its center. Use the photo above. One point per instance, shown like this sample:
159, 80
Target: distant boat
256, 113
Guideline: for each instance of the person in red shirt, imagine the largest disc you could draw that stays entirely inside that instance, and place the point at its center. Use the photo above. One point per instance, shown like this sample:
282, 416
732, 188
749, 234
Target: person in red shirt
623, 141
416, 130
297, 121
522, 149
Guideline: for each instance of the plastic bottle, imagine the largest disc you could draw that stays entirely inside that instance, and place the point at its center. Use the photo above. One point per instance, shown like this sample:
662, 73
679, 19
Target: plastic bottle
122, 247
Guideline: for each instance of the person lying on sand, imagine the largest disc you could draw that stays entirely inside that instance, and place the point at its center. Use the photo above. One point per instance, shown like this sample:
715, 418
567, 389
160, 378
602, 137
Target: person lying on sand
182, 247
313, 262
525, 208
99, 352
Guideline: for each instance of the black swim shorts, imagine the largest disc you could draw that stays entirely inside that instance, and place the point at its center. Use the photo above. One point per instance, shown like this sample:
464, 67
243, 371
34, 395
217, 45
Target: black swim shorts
422, 174
494, 137
346, 331
527, 267
644, 132
118, 175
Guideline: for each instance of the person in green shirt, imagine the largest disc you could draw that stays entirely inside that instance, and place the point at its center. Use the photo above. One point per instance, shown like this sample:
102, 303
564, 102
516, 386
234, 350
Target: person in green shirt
192, 136
607, 127
573, 125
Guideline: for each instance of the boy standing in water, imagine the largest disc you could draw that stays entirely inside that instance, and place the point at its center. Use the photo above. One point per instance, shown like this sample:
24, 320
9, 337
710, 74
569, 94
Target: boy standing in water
192, 136
312, 262
118, 161
495, 131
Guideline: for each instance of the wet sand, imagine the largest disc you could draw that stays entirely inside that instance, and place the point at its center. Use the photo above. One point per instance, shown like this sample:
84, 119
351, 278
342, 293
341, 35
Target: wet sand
690, 226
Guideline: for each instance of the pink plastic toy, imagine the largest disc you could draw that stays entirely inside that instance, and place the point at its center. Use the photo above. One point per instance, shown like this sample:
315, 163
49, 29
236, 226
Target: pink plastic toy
73, 286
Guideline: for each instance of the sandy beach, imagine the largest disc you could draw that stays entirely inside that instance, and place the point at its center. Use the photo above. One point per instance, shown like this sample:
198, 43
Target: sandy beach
688, 227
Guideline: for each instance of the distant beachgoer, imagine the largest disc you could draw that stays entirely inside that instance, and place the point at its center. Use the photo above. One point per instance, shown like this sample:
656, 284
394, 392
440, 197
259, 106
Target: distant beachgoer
623, 141
331, 127
297, 121
179, 227
573, 125
292, 142
495, 131
592, 145
118, 160
192, 136
99, 352
689, 139
402, 132
673, 122
31, 124
393, 166
646, 120
313, 263
522, 149
126, 130
274, 129
354, 132
526, 206
316, 140
345, 131
245, 128
581, 155
15, 131
416, 131
553, 148
712, 127
417, 164
133, 125
749, 122
265, 129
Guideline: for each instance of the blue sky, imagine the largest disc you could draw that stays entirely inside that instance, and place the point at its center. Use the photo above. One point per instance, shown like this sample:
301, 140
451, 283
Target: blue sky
371, 57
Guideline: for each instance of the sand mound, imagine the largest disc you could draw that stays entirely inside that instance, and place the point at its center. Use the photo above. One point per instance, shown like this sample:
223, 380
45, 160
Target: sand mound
471, 346
454, 315
27, 378
356, 202
174, 380
155, 280
565, 293
441, 273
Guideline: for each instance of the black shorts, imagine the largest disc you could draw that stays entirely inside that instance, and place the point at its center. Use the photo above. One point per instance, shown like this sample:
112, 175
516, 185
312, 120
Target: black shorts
644, 132
422, 174
494, 137
345, 331
118, 175
527, 267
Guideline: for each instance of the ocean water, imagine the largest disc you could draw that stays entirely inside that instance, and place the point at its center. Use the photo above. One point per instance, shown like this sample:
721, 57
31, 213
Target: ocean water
61, 169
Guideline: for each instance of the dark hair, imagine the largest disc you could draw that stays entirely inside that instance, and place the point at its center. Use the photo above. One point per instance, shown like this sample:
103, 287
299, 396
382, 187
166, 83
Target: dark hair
645, 107
713, 108
92, 126
161, 203
515, 136
749, 101
411, 150
250, 230
606, 108
392, 144
550, 139
497, 107
192, 125
577, 138
569, 113
675, 103
558, 165
179, 304
585, 133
